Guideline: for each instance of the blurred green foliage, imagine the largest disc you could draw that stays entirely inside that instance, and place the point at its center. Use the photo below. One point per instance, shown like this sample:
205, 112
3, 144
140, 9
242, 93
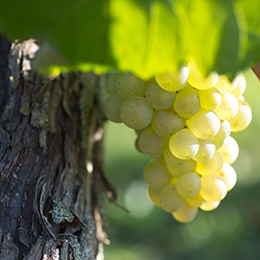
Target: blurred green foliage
148, 233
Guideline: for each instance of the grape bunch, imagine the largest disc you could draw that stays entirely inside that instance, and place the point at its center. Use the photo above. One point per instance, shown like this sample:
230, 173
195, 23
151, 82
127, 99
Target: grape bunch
183, 122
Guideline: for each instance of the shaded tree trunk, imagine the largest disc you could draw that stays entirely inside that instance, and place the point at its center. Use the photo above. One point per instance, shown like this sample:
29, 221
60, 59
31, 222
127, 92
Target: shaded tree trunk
51, 176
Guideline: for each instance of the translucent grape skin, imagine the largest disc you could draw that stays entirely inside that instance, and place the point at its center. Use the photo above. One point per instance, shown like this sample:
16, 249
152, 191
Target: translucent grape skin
212, 166
206, 150
242, 118
184, 144
224, 85
186, 214
213, 188
196, 201
229, 176
136, 113
154, 195
172, 160
209, 206
128, 85
229, 150
187, 102
112, 108
188, 185
197, 80
177, 171
173, 81
228, 107
151, 143
170, 200
210, 99
204, 124
167, 122
240, 85
159, 98
111, 83
156, 174
223, 133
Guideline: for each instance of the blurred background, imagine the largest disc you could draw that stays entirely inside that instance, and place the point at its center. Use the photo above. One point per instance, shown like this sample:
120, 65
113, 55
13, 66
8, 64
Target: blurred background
148, 233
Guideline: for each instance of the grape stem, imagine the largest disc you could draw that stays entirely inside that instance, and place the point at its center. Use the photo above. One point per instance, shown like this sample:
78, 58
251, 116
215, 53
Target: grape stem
256, 70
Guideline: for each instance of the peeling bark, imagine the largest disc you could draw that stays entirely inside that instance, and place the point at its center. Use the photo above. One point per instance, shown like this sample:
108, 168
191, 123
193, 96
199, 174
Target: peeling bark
51, 176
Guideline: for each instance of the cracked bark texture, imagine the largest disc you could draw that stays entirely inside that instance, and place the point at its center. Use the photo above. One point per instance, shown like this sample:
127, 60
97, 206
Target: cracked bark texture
51, 173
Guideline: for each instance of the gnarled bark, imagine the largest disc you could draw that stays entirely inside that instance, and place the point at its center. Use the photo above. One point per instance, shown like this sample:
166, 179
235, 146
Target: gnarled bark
50, 160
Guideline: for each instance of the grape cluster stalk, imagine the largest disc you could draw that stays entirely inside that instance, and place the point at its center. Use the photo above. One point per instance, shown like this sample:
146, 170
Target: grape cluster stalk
183, 121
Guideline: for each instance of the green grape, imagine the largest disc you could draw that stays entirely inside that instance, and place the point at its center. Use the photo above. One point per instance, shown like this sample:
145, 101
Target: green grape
218, 144
204, 124
196, 201
111, 83
188, 185
190, 166
128, 85
151, 143
228, 107
209, 206
112, 108
136, 113
197, 80
186, 214
223, 133
243, 117
187, 102
172, 160
229, 176
170, 200
184, 144
173, 81
137, 145
213, 188
210, 98
212, 166
224, 85
206, 150
159, 98
167, 122
240, 85
154, 196
156, 174
229, 150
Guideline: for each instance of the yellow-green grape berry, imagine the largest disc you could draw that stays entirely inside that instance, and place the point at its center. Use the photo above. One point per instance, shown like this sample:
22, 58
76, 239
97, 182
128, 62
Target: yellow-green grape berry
240, 85
212, 166
173, 81
112, 108
184, 144
204, 124
128, 85
228, 107
156, 174
206, 151
195, 202
187, 102
197, 80
170, 200
159, 98
229, 175
186, 214
178, 171
224, 131
167, 122
213, 188
151, 143
229, 150
136, 113
209, 206
154, 196
188, 185
224, 85
172, 160
111, 83
210, 99
242, 118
